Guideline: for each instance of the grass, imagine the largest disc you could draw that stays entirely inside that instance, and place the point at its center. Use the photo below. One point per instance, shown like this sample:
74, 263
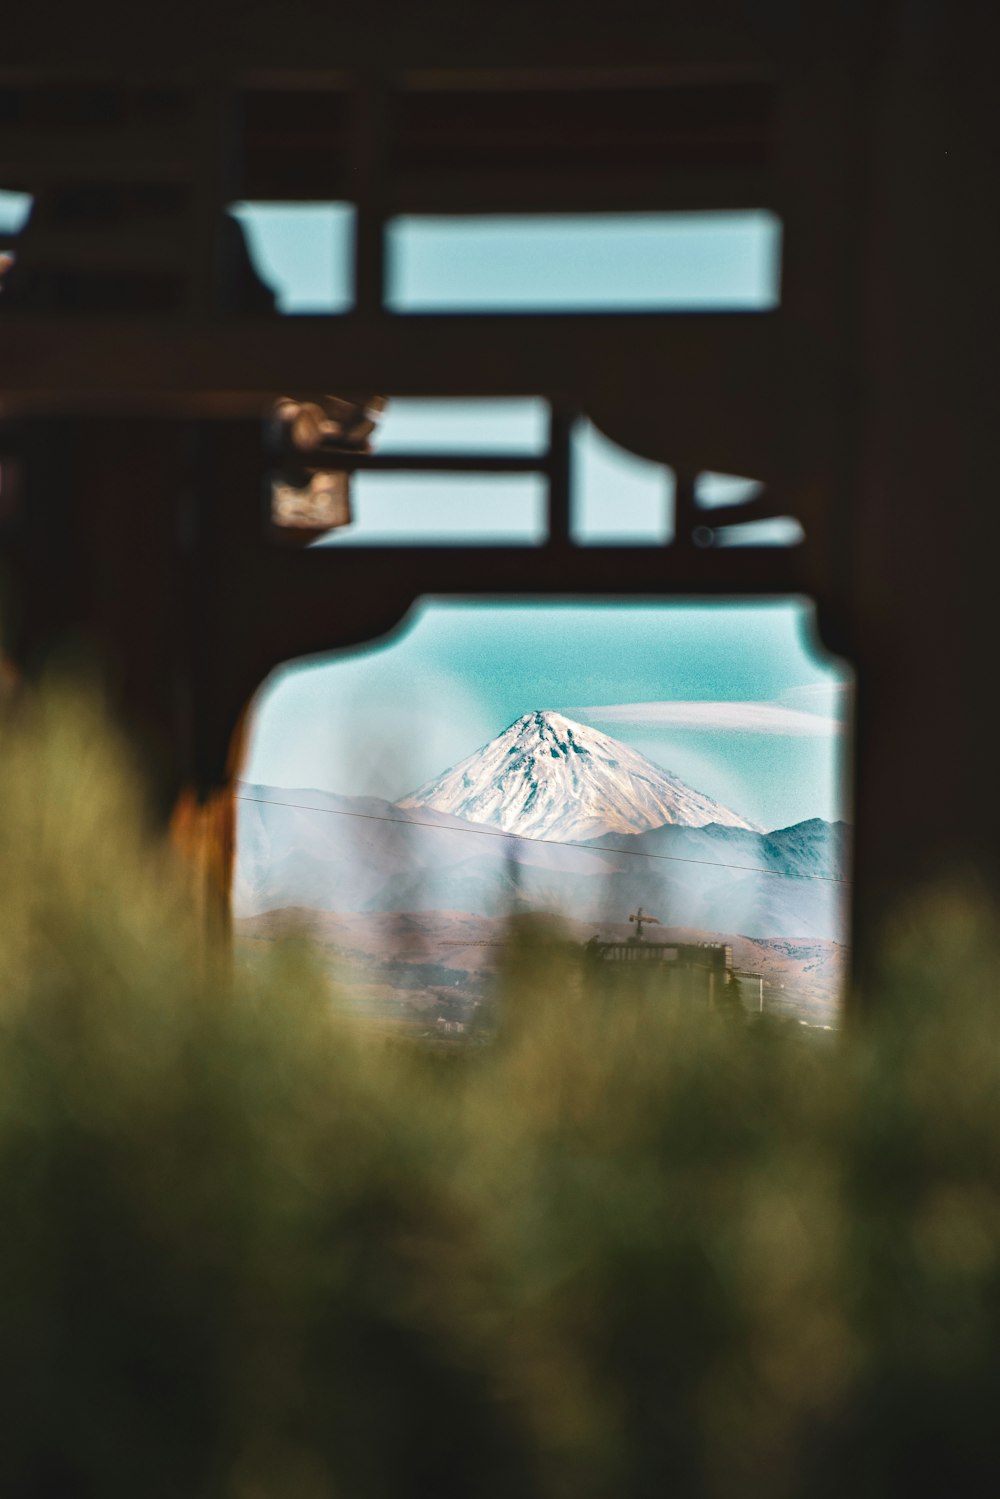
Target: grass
251, 1249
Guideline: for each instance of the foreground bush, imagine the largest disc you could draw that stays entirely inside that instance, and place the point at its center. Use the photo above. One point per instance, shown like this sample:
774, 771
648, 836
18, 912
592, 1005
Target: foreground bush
249, 1249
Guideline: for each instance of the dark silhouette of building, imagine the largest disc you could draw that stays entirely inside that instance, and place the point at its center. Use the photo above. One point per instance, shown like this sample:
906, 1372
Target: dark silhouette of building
691, 972
140, 356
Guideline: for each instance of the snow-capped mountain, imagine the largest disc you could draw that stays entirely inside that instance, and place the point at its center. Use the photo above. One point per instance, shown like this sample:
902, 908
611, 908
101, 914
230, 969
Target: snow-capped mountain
547, 777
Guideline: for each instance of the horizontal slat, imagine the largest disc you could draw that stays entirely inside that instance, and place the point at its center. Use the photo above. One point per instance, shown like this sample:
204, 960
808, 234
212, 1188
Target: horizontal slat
278, 176
715, 516
584, 192
109, 250
686, 387
566, 568
330, 461
104, 40
648, 75
38, 157
325, 596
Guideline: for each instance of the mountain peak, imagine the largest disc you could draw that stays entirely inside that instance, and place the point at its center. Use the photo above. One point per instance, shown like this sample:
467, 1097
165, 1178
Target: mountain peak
547, 776
546, 718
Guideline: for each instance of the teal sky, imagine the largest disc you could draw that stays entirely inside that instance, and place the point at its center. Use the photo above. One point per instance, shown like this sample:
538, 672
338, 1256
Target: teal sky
382, 720
731, 697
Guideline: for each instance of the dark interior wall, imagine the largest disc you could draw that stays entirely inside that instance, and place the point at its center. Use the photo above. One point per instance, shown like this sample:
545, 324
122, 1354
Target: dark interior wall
396, 34
927, 541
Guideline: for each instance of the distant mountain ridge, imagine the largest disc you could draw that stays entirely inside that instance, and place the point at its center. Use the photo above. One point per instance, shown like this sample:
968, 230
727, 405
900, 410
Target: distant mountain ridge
548, 777
813, 849
329, 853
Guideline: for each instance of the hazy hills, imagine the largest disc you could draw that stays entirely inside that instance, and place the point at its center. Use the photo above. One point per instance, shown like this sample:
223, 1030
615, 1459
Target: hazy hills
329, 853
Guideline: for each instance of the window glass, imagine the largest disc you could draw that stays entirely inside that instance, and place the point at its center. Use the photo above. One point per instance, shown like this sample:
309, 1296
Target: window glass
585, 262
304, 251
617, 496
438, 509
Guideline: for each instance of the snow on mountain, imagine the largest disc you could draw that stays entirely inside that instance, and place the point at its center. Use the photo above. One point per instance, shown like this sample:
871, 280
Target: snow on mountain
547, 777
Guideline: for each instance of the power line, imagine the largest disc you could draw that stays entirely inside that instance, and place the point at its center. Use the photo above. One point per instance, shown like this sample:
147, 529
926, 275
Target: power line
632, 853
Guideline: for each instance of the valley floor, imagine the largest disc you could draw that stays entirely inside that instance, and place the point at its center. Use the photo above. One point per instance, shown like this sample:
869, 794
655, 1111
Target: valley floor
429, 972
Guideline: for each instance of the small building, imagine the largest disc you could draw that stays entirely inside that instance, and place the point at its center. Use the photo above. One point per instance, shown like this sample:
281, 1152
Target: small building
699, 971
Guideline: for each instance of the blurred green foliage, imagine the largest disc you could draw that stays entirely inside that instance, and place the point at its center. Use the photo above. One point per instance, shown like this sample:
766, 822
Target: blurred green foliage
248, 1248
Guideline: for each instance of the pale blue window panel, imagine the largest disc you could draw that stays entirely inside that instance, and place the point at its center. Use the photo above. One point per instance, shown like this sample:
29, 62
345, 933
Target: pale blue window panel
444, 510
506, 425
14, 210
725, 489
585, 262
616, 496
304, 251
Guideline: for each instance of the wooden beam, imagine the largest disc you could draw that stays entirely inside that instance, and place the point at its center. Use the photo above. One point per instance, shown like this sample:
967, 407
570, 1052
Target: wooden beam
348, 595
692, 387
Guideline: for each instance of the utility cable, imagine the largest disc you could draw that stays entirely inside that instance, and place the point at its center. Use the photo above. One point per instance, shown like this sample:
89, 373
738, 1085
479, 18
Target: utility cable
632, 853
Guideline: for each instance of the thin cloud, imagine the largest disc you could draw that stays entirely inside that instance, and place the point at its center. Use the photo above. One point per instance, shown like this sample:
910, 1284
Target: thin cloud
734, 717
828, 699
